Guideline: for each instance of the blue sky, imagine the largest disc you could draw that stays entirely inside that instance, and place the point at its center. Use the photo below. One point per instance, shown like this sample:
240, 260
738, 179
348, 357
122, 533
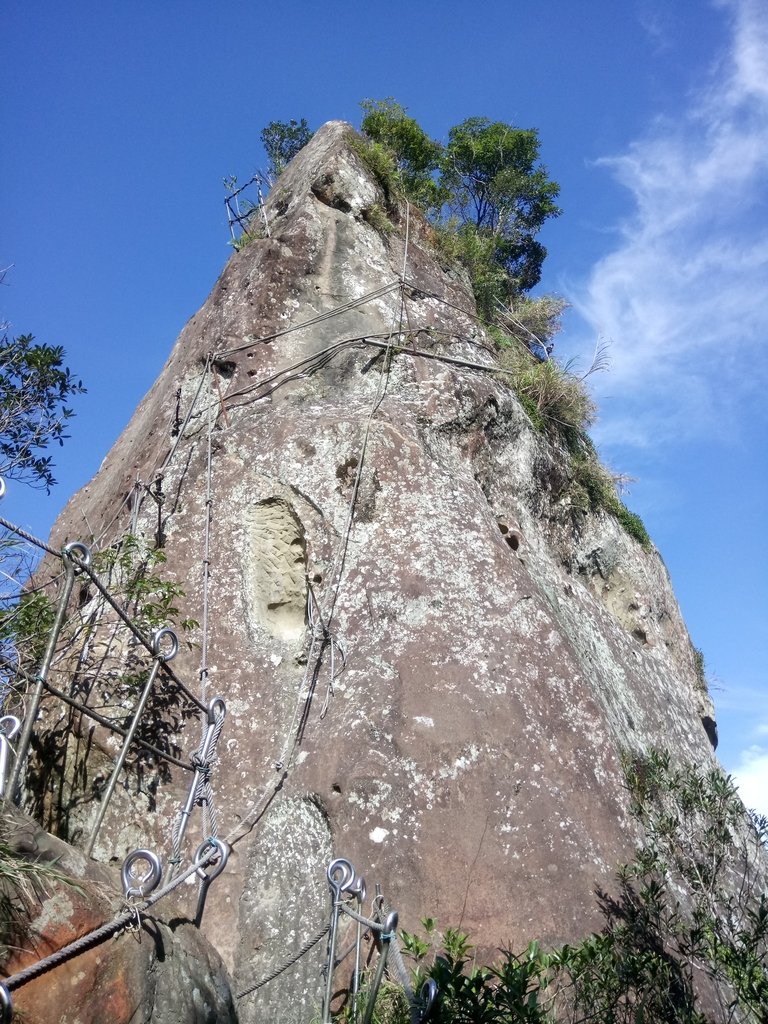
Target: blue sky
119, 121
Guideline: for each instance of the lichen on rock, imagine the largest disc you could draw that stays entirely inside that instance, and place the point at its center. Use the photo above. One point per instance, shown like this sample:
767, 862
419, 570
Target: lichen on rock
497, 657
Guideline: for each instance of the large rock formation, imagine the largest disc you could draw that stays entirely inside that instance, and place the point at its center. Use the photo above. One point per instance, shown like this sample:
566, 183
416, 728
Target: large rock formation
501, 647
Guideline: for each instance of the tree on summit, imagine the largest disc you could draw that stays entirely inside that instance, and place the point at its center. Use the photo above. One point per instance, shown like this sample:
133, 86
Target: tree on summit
487, 182
282, 140
491, 172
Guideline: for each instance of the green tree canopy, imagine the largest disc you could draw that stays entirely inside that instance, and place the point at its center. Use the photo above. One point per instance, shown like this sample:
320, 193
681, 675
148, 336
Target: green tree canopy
416, 156
282, 140
35, 388
491, 172
487, 181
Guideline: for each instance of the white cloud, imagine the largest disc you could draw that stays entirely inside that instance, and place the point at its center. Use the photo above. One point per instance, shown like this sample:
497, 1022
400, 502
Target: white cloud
751, 776
682, 297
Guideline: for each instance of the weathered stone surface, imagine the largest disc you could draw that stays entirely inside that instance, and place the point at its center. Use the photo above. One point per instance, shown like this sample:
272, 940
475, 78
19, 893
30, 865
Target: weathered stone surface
156, 973
502, 647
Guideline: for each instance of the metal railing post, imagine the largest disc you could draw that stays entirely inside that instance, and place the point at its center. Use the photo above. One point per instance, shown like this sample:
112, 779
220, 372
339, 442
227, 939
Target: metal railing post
45, 665
159, 658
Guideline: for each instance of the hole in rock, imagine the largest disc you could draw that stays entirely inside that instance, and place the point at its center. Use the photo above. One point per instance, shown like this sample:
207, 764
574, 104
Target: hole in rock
346, 471
225, 367
710, 728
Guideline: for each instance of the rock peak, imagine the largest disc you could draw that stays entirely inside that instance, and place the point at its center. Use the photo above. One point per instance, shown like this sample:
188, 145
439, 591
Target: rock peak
380, 504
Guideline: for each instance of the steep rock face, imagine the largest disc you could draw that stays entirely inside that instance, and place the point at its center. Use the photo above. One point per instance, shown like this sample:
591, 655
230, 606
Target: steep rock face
501, 648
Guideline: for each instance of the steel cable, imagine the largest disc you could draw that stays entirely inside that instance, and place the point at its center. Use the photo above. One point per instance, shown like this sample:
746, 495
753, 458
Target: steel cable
90, 713
29, 537
139, 635
344, 307
285, 964
105, 931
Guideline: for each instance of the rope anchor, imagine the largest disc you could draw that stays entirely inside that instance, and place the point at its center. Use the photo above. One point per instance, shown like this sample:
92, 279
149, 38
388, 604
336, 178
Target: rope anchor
148, 882
200, 790
220, 849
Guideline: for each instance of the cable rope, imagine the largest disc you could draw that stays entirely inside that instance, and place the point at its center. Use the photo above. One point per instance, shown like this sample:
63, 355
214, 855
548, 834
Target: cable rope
29, 537
206, 547
446, 302
285, 964
138, 634
305, 692
395, 958
341, 556
105, 931
372, 341
90, 713
167, 461
315, 361
134, 491
201, 791
344, 307
253, 811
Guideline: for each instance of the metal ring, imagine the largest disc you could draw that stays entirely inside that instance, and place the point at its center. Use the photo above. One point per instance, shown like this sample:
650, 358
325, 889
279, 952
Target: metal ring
6, 1005
429, 993
213, 870
2, 487
82, 551
150, 880
357, 888
347, 875
390, 925
157, 637
15, 726
217, 704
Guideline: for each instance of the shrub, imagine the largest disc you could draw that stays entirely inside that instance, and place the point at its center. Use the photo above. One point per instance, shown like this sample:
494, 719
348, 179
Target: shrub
381, 163
560, 402
593, 479
476, 253
415, 155
244, 239
22, 883
132, 571
377, 218
534, 322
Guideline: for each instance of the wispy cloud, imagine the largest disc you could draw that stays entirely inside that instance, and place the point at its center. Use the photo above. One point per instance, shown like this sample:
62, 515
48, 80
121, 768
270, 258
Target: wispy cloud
751, 775
682, 296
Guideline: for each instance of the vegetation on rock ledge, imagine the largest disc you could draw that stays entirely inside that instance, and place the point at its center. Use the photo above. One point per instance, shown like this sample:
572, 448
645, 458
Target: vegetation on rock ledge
685, 939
